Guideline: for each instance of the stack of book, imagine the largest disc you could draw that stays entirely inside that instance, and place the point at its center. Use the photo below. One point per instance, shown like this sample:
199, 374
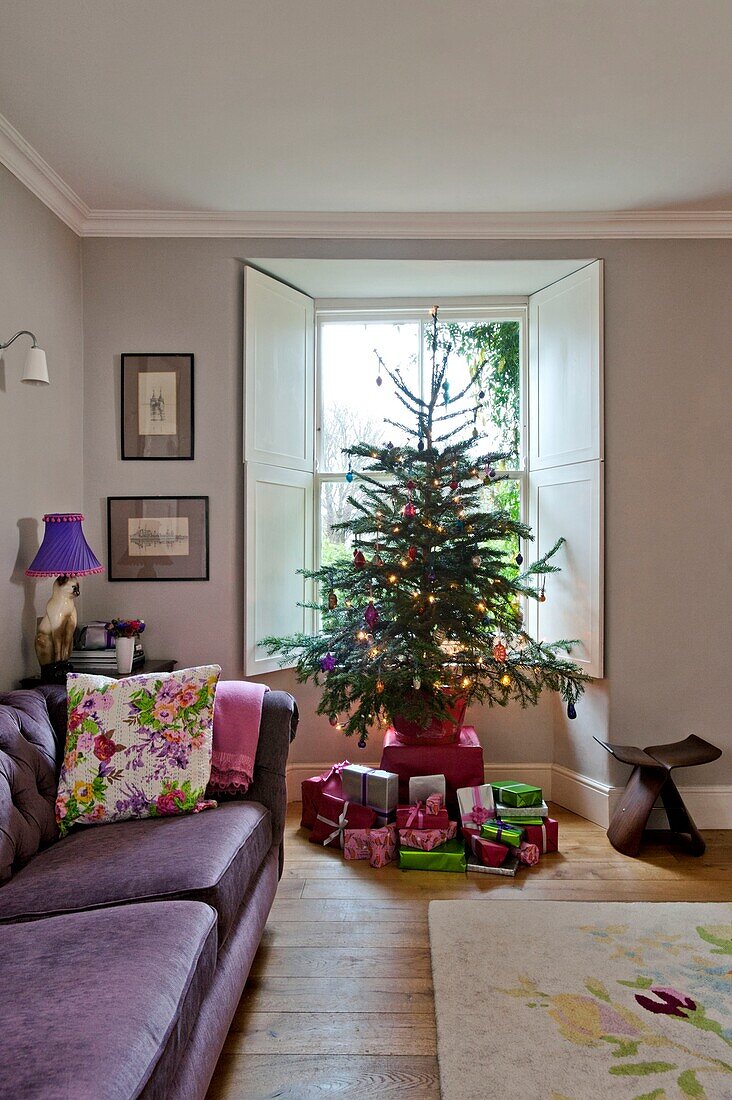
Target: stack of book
103, 659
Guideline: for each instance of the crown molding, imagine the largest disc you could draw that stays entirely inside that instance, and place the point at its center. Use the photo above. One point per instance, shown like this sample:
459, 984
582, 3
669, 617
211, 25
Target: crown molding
39, 177
618, 225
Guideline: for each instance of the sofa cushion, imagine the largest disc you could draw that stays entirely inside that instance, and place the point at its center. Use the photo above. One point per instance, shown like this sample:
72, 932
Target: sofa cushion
102, 1000
136, 747
207, 857
27, 779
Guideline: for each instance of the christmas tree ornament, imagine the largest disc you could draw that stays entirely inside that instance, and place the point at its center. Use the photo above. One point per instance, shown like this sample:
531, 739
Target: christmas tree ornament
420, 445
499, 650
380, 687
362, 741
409, 511
542, 593
416, 683
371, 615
460, 525
481, 394
571, 712
476, 560
332, 601
377, 560
327, 663
475, 433
359, 559
350, 475
454, 484
412, 553
519, 559
333, 720
379, 380
491, 472
411, 485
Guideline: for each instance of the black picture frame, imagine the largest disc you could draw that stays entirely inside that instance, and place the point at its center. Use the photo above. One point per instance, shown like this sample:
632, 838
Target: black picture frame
179, 525
145, 434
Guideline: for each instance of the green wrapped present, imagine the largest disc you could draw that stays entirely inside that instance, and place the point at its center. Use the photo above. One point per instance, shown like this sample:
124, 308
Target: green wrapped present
502, 833
517, 794
447, 857
519, 822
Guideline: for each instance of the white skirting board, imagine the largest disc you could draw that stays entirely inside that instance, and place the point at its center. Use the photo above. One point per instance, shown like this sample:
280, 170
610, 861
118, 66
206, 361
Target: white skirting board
711, 807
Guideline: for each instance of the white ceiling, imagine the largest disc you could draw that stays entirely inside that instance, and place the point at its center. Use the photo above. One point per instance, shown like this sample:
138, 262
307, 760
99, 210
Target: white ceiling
429, 279
376, 105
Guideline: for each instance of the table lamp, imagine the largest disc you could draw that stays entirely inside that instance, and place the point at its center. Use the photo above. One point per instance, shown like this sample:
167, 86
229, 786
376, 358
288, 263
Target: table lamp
64, 554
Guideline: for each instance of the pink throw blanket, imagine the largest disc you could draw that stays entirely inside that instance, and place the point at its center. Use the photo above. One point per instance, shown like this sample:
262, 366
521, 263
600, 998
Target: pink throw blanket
236, 720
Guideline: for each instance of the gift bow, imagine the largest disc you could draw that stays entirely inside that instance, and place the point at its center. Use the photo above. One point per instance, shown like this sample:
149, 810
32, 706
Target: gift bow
335, 769
339, 825
414, 815
478, 815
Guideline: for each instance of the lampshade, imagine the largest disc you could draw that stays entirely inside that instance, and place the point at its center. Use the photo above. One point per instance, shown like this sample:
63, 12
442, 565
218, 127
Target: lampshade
64, 550
36, 368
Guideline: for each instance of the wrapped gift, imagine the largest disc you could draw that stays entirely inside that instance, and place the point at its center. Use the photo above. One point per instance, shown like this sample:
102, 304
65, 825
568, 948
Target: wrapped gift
544, 834
520, 812
528, 854
415, 817
371, 787
517, 794
522, 822
502, 834
384, 846
422, 786
378, 846
448, 857
335, 815
509, 868
434, 803
488, 852
427, 839
327, 783
476, 807
461, 763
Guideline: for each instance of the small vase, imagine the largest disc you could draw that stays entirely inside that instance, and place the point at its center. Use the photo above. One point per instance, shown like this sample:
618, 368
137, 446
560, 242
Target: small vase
125, 648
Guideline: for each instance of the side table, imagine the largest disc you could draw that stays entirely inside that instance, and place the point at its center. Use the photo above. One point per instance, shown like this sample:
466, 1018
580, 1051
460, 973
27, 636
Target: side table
141, 670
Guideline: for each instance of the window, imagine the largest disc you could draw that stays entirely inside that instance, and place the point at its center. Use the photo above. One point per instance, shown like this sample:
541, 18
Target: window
543, 403
353, 407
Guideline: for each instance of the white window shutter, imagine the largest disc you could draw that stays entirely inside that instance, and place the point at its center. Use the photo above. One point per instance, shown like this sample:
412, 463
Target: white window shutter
279, 463
565, 483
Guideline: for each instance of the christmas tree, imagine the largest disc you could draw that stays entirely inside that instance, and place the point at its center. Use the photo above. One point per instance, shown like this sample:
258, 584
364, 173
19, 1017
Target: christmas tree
428, 612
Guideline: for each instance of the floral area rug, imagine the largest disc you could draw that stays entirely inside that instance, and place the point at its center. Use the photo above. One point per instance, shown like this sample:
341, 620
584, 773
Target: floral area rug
545, 1000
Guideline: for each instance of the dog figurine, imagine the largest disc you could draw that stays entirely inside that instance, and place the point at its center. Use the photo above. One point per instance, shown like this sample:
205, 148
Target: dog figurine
55, 634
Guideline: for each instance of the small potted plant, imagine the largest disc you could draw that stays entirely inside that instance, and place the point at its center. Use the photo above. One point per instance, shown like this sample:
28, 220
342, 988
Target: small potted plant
125, 631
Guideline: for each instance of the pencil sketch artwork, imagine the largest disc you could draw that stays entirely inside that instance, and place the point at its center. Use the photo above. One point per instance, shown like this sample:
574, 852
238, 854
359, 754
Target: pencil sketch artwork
153, 537
156, 403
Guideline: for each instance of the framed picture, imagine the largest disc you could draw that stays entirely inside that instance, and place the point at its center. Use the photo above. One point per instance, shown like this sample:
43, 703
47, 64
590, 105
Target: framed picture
157, 538
157, 406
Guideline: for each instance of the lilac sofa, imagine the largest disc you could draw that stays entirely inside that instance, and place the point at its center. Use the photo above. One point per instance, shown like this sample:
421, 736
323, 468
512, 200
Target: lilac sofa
124, 949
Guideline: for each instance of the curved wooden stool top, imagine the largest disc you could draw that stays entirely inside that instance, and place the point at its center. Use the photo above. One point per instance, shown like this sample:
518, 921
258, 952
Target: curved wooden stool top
651, 777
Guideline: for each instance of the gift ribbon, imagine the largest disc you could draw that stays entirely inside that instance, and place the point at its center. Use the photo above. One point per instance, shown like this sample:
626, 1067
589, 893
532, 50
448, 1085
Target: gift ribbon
335, 769
365, 786
502, 829
340, 825
414, 814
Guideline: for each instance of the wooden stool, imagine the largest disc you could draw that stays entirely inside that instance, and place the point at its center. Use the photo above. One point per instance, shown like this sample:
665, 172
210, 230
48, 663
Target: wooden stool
650, 778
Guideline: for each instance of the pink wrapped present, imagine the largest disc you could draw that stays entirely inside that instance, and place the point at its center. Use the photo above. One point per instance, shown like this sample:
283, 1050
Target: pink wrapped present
414, 817
489, 852
329, 782
335, 815
544, 836
378, 846
476, 807
528, 853
427, 839
433, 804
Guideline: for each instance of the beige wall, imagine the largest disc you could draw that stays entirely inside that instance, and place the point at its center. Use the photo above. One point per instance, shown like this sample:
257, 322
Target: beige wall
40, 426
668, 335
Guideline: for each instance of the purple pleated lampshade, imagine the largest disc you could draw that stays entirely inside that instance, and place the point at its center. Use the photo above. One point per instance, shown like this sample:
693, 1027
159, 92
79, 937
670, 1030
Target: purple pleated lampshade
64, 550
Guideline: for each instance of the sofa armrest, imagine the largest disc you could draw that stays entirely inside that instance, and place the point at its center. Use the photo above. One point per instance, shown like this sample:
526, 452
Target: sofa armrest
276, 732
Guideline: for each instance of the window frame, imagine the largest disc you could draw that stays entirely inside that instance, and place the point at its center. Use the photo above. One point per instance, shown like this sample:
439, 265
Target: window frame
348, 311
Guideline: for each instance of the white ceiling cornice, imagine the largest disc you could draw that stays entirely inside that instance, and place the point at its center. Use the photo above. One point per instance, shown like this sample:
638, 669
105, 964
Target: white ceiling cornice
39, 177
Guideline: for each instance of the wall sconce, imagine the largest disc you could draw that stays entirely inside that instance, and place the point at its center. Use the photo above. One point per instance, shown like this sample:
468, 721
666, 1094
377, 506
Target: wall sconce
35, 370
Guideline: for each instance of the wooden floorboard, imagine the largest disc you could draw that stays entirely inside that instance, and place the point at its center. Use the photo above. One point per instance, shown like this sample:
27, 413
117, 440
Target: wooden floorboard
339, 1001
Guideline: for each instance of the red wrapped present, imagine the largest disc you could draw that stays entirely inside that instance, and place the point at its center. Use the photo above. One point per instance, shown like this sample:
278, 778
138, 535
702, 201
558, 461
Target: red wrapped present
489, 852
335, 815
544, 836
427, 839
415, 817
528, 854
327, 783
378, 846
461, 763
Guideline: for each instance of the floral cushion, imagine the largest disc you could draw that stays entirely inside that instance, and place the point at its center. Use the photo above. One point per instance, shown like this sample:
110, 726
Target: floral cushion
137, 747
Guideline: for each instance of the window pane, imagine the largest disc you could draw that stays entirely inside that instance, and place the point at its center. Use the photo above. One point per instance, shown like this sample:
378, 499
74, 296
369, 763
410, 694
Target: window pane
506, 496
334, 508
492, 347
353, 405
